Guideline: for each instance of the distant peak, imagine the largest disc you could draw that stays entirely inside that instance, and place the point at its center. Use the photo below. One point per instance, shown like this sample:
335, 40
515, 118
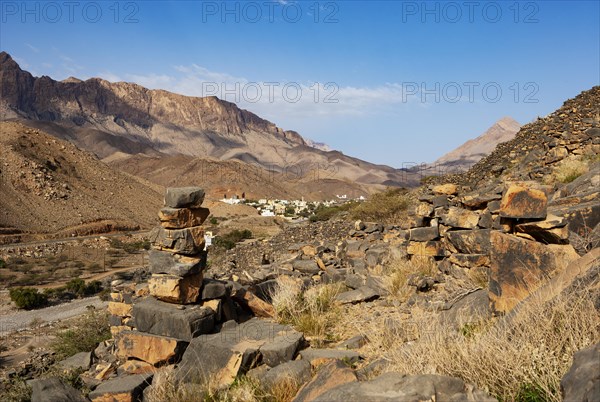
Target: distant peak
72, 79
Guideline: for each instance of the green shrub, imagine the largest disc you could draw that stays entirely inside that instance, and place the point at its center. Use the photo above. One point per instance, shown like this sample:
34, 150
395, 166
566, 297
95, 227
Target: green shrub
213, 221
228, 241
85, 334
28, 298
2, 264
385, 207
81, 289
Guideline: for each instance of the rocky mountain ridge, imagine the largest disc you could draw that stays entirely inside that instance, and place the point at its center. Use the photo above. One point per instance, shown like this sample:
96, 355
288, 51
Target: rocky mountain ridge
125, 119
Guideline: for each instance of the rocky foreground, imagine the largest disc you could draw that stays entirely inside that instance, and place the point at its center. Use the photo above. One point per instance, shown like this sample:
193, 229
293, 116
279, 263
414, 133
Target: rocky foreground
493, 251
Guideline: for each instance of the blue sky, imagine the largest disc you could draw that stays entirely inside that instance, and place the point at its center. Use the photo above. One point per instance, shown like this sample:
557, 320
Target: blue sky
390, 82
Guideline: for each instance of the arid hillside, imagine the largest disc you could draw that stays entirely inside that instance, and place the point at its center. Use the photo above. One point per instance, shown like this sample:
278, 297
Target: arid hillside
49, 186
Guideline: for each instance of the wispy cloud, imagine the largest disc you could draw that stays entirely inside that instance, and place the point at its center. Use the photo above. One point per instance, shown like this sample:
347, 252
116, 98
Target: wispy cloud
275, 99
33, 48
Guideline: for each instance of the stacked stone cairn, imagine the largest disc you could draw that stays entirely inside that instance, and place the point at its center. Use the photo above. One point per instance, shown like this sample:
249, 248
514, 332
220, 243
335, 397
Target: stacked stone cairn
154, 323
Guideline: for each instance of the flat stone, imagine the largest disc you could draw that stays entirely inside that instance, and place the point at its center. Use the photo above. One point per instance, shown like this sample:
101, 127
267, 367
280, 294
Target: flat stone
53, 390
523, 203
180, 218
362, 294
122, 389
356, 342
175, 289
424, 234
518, 267
428, 248
332, 375
81, 360
164, 262
189, 241
306, 266
120, 309
184, 197
153, 349
552, 230
479, 201
221, 357
282, 348
446, 189
160, 318
296, 372
460, 218
398, 387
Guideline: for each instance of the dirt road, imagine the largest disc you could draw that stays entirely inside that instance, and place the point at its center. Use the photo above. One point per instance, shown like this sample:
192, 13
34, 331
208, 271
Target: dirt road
22, 319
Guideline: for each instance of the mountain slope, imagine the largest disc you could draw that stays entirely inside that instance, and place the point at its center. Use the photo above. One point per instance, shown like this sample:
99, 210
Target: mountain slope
469, 153
539, 147
123, 118
51, 187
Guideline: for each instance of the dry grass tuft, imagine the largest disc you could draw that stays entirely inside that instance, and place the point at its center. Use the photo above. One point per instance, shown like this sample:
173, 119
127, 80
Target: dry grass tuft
312, 311
398, 271
520, 359
570, 169
388, 206
244, 389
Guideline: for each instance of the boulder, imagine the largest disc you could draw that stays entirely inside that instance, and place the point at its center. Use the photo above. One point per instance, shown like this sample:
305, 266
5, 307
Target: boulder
164, 262
428, 248
398, 387
424, 209
523, 203
518, 267
362, 294
184, 197
153, 349
120, 309
180, 218
470, 241
375, 256
259, 307
306, 266
189, 241
460, 218
176, 289
135, 367
236, 349
122, 389
477, 201
424, 234
445, 189
160, 318
330, 376
214, 289
53, 390
582, 381
81, 360
552, 230
296, 372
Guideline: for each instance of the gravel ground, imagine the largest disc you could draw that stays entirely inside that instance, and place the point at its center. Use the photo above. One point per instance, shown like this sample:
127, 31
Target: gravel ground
22, 320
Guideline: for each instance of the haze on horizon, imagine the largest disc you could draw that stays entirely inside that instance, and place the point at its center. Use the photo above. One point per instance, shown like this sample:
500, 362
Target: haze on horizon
388, 82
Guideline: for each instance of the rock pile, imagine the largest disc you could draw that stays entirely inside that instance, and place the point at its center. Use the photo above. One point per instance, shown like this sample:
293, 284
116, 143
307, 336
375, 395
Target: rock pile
574, 129
179, 316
